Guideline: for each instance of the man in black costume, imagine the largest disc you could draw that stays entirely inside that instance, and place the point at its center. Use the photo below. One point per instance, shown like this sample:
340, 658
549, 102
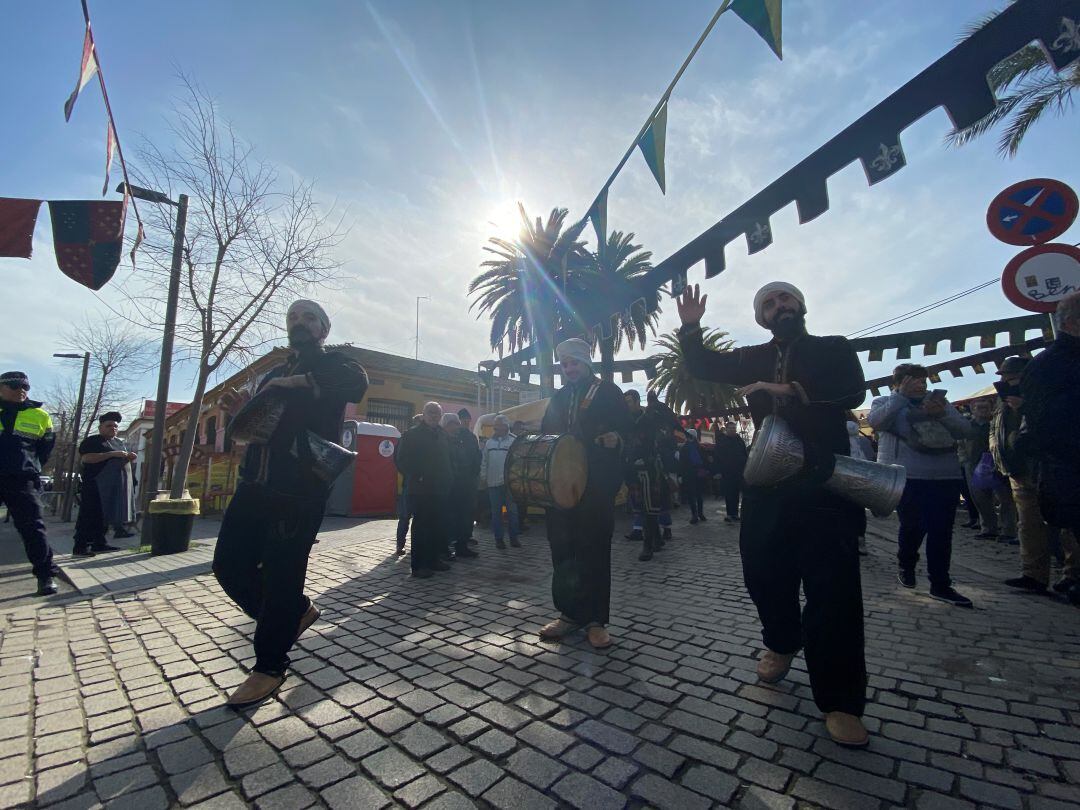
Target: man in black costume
797, 532
646, 479
423, 457
580, 538
271, 522
105, 487
729, 460
465, 463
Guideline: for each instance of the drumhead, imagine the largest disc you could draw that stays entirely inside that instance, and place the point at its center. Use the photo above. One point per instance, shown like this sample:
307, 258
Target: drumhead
569, 472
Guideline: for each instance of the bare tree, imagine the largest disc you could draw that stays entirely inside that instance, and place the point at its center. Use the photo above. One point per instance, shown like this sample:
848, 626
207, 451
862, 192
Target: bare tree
119, 355
250, 244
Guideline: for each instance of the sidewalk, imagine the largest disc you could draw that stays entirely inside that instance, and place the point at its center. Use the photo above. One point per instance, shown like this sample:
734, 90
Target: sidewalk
436, 693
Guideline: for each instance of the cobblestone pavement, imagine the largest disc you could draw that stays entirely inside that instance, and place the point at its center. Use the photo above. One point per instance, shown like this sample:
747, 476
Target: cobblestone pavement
437, 693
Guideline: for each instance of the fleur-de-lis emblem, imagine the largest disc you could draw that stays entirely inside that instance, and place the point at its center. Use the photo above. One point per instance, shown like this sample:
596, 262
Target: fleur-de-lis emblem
1069, 39
760, 234
888, 156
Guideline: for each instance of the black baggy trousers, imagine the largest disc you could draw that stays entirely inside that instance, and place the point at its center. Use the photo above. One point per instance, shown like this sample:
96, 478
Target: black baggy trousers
430, 529
90, 525
792, 536
580, 541
261, 562
23, 502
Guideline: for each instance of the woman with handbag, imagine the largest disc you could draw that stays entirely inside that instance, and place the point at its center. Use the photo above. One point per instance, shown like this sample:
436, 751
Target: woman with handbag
919, 431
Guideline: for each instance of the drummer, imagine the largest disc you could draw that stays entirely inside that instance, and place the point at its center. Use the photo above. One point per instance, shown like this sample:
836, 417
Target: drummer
271, 522
580, 538
798, 533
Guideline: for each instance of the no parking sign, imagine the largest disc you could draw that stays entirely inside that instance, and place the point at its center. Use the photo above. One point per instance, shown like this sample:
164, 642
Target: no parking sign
1032, 212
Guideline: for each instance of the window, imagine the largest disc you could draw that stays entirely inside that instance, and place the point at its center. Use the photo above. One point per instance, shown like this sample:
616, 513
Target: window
390, 412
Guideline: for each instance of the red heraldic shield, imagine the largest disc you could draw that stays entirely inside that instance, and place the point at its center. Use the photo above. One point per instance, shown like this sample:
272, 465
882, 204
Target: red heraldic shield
87, 236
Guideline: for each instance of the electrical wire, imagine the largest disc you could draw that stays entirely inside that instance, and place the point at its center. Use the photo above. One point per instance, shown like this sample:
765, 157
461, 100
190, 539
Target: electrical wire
877, 327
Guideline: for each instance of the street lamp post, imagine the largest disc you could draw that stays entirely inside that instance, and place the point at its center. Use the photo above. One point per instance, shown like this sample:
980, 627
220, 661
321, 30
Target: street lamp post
157, 439
60, 463
419, 298
69, 490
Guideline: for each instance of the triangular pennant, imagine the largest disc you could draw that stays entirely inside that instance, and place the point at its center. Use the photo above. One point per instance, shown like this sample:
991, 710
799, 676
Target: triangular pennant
764, 17
598, 217
87, 69
110, 149
652, 146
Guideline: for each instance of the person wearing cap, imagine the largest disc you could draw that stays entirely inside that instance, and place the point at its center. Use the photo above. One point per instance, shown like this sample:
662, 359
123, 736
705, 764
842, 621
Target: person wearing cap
272, 521
26, 442
797, 532
580, 538
1049, 402
1013, 459
106, 497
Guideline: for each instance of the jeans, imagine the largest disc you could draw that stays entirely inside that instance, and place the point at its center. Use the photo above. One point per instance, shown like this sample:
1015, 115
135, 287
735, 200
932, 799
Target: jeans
499, 497
261, 561
927, 510
987, 504
791, 537
405, 511
24, 508
694, 497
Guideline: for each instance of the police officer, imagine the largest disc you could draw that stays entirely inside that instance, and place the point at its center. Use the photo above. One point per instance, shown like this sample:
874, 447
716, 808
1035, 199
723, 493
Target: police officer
26, 441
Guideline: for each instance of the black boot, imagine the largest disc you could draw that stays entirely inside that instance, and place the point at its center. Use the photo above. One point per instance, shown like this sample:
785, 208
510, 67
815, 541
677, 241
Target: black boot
635, 536
667, 534
46, 586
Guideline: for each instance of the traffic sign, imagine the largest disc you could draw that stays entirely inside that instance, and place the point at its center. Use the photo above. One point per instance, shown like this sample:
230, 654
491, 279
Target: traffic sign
1032, 212
1037, 278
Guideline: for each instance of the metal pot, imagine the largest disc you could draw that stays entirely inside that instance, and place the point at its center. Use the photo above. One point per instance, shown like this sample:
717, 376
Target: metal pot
777, 454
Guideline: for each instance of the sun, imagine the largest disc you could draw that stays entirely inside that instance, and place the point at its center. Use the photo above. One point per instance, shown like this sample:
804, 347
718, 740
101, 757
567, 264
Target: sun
502, 220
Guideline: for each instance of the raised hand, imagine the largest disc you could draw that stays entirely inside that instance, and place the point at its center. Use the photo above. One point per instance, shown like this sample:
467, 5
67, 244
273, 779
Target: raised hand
691, 305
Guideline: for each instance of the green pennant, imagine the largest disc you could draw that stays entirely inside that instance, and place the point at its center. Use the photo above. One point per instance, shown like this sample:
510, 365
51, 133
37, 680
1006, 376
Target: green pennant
764, 17
598, 217
652, 146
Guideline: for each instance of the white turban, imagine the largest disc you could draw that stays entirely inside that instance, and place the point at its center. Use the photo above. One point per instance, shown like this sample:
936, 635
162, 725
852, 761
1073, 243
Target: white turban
771, 287
575, 348
303, 305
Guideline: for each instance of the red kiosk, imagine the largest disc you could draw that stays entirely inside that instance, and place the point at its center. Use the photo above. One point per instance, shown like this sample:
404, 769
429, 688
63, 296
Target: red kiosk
369, 487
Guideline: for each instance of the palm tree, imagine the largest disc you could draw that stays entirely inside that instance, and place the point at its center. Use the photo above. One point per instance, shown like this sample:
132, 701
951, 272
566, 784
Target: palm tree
531, 286
1031, 88
615, 267
680, 390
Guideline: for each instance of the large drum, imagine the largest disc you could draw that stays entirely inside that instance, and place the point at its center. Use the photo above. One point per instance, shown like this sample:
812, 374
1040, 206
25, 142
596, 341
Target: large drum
548, 471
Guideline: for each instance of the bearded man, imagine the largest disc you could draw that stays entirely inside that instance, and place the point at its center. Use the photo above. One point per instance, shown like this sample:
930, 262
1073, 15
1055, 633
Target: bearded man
796, 532
271, 522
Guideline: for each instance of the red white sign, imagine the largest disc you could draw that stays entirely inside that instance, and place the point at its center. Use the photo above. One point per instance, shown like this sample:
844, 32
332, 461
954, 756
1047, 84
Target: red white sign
1037, 278
1032, 212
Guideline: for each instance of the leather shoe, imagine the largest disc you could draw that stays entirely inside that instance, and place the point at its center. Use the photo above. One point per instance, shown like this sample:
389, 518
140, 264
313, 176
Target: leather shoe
439, 565
557, 629
423, 573
257, 688
846, 729
105, 547
773, 666
311, 615
1026, 583
599, 637
466, 553
46, 586
82, 552
645, 556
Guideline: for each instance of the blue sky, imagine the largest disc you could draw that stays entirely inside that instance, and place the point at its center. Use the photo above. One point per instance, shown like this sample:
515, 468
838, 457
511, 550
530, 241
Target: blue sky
426, 121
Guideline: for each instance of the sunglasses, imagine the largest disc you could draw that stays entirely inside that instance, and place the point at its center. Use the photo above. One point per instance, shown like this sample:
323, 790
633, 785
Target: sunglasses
18, 385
